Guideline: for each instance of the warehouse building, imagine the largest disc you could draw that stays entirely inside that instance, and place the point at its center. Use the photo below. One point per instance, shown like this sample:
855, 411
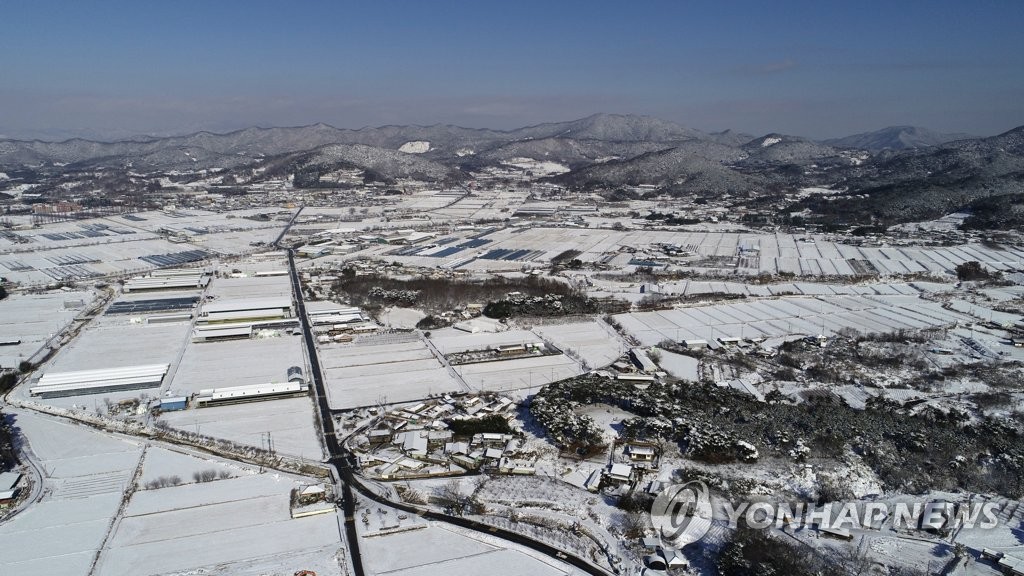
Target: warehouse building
252, 309
60, 384
168, 280
250, 393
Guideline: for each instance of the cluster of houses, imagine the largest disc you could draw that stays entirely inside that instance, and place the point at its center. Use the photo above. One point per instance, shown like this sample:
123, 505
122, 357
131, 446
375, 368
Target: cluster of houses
421, 441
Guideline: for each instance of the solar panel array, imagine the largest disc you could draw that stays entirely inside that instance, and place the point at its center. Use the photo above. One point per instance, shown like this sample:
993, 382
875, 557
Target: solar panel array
153, 305
474, 243
509, 254
176, 258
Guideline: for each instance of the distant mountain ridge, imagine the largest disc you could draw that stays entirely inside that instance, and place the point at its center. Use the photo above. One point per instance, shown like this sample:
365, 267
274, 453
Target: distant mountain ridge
899, 173
896, 138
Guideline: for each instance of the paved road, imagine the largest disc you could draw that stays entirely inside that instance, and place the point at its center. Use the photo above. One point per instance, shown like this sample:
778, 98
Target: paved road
334, 449
343, 462
287, 227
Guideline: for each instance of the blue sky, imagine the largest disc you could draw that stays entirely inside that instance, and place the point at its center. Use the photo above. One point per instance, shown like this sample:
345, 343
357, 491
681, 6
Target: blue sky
817, 69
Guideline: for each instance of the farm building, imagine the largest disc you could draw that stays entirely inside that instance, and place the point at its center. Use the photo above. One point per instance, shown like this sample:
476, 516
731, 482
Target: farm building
642, 360
183, 280
57, 384
214, 333
247, 309
636, 377
173, 403
511, 350
153, 305
9, 486
250, 393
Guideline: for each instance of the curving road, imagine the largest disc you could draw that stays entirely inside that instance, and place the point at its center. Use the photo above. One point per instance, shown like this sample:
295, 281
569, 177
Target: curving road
343, 461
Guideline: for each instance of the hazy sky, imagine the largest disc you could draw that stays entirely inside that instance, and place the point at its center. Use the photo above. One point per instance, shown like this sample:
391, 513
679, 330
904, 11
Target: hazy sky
818, 68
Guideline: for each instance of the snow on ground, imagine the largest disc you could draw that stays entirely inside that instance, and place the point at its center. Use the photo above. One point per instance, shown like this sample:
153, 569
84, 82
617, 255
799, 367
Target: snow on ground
33, 319
442, 549
396, 317
354, 373
518, 374
112, 342
86, 475
237, 363
290, 422
787, 315
415, 147
607, 418
538, 167
593, 342
163, 462
451, 341
679, 365
224, 526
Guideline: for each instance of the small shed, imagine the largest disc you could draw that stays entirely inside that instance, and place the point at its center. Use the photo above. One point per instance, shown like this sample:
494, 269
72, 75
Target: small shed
173, 403
9, 486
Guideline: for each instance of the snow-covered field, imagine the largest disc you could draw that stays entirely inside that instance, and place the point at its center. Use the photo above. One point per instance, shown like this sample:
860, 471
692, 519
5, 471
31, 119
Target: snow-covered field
451, 341
289, 421
440, 549
679, 365
113, 342
518, 374
785, 316
397, 317
237, 363
593, 342
364, 374
238, 524
86, 474
770, 253
223, 526
75, 250
33, 319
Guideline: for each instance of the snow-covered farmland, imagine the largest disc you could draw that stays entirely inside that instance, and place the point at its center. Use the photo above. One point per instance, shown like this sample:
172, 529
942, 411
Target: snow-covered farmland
452, 341
761, 253
441, 549
86, 473
226, 525
290, 422
384, 368
537, 167
113, 342
237, 363
33, 319
593, 342
518, 374
787, 316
